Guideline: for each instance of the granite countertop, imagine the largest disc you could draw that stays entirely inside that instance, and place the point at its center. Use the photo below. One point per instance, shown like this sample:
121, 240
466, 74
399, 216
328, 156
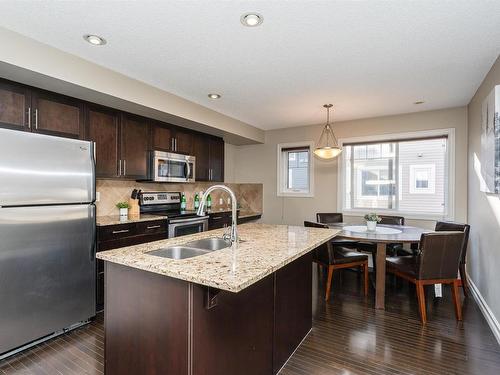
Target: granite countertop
116, 219
265, 249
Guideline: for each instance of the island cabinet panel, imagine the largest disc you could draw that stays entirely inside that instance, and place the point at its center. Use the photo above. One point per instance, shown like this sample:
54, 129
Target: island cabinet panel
292, 308
235, 336
146, 323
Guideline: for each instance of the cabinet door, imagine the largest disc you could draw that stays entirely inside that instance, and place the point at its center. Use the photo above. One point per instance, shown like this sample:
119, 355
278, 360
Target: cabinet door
134, 146
183, 142
161, 137
102, 128
15, 102
201, 151
57, 115
216, 159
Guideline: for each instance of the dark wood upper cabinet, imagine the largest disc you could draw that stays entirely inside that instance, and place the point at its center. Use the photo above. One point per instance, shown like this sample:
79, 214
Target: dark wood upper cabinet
201, 151
56, 115
15, 103
216, 163
169, 138
122, 140
134, 146
103, 127
183, 142
161, 137
209, 152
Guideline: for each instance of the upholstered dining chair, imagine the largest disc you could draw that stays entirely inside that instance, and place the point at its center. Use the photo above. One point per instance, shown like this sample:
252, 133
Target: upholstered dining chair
329, 217
436, 263
338, 257
450, 226
332, 218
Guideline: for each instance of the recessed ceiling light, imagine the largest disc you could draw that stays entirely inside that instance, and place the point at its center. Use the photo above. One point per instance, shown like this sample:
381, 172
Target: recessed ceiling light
214, 96
419, 102
95, 40
251, 19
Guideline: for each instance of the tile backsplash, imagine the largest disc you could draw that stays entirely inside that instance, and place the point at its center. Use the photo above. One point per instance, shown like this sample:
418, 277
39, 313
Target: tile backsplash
249, 196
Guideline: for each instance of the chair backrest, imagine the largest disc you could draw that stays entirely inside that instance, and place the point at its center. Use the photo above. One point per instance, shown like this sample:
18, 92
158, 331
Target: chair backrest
324, 252
329, 217
450, 226
392, 220
440, 254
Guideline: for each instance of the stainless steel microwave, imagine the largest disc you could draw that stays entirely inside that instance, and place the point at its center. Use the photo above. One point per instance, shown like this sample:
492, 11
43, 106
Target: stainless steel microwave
171, 167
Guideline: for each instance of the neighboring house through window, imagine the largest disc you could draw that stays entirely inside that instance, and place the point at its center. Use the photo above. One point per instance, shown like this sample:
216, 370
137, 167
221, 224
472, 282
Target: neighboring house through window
405, 174
295, 172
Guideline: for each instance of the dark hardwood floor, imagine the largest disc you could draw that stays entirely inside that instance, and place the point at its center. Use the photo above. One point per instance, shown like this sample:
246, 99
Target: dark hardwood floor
348, 337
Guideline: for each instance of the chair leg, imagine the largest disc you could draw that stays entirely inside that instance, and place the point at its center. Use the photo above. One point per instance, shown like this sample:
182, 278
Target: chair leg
365, 277
465, 281
421, 302
456, 300
329, 282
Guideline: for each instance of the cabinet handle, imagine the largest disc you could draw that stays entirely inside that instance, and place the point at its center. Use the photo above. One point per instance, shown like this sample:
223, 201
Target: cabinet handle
175, 144
124, 167
121, 231
119, 167
154, 226
217, 217
36, 118
29, 117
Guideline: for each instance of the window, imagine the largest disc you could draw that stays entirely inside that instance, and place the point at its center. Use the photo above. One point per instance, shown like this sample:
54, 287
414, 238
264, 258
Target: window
405, 174
295, 169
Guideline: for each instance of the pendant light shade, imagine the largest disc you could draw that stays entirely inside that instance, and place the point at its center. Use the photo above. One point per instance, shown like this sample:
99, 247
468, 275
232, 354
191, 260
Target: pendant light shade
327, 147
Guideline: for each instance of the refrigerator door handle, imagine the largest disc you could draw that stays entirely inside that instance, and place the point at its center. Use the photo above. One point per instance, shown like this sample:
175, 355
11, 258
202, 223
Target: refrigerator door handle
93, 244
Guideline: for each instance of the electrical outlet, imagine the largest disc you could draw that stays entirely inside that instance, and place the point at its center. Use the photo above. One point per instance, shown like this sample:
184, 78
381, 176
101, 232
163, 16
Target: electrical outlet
97, 196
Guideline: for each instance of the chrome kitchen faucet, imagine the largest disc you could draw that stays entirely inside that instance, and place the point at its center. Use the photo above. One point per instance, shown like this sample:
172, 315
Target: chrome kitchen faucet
200, 212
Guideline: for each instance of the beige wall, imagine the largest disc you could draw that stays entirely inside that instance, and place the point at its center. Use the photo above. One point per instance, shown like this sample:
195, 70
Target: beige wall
257, 163
483, 209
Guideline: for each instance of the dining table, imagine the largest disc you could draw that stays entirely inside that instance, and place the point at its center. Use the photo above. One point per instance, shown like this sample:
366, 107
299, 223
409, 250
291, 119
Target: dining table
381, 236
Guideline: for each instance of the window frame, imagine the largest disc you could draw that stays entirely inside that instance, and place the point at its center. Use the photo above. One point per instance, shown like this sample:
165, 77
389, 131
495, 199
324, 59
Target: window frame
282, 171
449, 213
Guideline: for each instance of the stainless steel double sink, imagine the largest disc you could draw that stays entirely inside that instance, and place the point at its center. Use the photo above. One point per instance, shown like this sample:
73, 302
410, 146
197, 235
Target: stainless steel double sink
191, 249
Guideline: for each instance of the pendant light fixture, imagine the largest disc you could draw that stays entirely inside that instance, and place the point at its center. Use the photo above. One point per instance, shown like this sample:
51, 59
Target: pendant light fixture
327, 147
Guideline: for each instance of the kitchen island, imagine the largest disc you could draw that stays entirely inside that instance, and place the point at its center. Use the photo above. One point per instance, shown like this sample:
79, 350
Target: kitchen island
240, 310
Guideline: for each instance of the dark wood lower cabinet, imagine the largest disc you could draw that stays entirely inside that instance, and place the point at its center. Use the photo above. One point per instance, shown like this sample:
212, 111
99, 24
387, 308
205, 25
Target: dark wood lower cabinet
160, 325
292, 308
236, 336
146, 321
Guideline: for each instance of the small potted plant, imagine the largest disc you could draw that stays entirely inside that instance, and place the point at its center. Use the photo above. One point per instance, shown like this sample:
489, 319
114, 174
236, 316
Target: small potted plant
123, 207
371, 221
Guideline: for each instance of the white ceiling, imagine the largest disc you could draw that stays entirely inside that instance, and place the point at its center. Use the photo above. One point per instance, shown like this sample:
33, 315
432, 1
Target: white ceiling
368, 58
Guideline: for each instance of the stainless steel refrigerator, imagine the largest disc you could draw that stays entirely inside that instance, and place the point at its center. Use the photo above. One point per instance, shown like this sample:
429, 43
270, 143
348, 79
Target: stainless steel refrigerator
47, 236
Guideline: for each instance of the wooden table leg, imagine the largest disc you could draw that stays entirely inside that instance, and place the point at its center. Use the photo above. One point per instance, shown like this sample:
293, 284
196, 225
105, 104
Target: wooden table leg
380, 282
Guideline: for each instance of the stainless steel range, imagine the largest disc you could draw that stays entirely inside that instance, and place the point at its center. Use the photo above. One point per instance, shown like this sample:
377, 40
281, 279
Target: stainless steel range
180, 222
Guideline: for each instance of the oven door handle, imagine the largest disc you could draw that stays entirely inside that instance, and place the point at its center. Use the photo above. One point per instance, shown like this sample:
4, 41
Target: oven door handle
199, 219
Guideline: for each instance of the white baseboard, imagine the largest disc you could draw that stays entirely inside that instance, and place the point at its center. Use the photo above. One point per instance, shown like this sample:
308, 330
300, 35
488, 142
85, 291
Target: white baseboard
485, 309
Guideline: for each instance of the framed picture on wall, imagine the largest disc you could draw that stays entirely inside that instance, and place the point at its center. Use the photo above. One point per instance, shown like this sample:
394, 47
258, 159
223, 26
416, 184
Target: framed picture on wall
490, 143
